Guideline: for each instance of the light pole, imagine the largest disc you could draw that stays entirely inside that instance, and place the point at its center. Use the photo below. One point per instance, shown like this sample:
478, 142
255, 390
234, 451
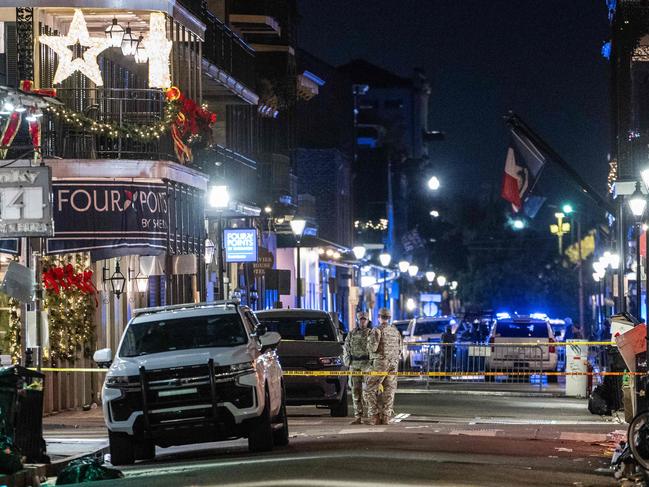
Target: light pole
359, 252
638, 203
560, 229
297, 226
385, 259
570, 211
219, 200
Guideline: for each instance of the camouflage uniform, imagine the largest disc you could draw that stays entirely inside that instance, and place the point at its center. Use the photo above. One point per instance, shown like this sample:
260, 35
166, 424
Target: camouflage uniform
385, 348
357, 358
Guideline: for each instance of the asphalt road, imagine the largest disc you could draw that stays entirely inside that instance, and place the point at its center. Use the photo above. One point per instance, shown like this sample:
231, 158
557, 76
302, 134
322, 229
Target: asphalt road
437, 439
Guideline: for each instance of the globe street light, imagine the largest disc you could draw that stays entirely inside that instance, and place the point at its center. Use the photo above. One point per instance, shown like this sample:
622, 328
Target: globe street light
567, 208
385, 259
638, 204
359, 252
403, 266
430, 276
441, 281
433, 183
413, 270
297, 226
518, 224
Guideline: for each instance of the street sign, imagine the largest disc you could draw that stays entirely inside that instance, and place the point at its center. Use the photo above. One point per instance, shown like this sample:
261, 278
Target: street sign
25, 206
265, 261
240, 244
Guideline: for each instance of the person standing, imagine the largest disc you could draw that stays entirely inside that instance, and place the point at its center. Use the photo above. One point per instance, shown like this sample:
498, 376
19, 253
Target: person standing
357, 358
384, 343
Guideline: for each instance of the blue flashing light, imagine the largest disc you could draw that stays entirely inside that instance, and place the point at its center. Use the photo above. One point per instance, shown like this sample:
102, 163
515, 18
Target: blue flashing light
370, 142
539, 316
606, 50
503, 316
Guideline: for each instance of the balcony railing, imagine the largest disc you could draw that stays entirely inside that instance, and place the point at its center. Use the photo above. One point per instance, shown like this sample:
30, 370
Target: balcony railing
228, 51
124, 107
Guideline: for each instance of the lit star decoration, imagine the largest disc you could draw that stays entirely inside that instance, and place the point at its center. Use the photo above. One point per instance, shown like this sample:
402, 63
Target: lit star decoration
158, 48
87, 64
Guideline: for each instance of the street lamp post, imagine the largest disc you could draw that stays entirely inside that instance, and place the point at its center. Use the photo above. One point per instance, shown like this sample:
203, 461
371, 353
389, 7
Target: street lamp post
219, 200
560, 229
359, 252
385, 260
638, 203
297, 226
569, 210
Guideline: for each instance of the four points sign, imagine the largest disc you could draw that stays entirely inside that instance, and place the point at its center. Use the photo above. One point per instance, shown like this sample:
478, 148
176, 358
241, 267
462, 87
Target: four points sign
240, 244
25, 208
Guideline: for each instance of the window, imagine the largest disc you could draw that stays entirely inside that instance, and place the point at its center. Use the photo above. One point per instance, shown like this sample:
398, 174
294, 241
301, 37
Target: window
149, 337
431, 327
522, 330
306, 329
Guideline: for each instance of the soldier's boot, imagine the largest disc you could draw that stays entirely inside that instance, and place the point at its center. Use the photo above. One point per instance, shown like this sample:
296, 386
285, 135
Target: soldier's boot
357, 420
384, 419
374, 420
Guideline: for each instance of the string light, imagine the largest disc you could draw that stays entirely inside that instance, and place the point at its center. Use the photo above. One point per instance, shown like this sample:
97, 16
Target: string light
141, 133
77, 35
158, 49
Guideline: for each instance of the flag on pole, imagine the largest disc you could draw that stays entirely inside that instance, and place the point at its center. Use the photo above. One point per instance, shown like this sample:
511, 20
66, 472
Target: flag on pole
523, 166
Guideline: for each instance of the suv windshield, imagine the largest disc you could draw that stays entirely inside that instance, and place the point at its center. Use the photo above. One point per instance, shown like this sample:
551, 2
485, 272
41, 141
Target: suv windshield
307, 329
148, 337
526, 329
431, 327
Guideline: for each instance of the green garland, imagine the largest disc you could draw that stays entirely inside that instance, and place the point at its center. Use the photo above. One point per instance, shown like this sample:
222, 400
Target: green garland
139, 133
70, 313
14, 333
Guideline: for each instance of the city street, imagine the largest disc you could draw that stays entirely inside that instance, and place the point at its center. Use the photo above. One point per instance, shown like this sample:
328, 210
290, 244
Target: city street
436, 437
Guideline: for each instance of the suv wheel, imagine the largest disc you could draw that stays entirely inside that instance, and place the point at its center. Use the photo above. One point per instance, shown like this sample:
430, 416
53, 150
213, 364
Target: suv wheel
145, 450
341, 410
122, 448
260, 437
280, 436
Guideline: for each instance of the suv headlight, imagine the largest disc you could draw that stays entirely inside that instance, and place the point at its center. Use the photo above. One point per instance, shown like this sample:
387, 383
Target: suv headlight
118, 381
330, 361
244, 367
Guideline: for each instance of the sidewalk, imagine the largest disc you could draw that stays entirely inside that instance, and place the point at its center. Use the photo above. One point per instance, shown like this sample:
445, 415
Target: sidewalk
73, 433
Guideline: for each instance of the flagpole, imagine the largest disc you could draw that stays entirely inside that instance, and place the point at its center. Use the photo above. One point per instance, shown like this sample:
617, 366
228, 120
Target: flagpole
515, 123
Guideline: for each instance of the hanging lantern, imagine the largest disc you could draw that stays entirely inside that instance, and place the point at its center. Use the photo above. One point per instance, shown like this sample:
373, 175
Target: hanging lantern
141, 53
129, 43
114, 33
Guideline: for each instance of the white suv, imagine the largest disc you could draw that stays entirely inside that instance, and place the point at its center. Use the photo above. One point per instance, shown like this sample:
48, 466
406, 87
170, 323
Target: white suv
193, 373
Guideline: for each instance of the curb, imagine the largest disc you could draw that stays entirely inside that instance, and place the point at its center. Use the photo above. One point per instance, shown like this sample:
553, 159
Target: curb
53, 469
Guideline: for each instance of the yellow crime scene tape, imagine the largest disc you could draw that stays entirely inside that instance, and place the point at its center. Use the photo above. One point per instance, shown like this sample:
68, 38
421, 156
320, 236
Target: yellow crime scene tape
358, 373
504, 344
355, 373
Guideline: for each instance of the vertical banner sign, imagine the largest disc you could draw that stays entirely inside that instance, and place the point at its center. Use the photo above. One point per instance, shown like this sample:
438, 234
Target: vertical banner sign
240, 244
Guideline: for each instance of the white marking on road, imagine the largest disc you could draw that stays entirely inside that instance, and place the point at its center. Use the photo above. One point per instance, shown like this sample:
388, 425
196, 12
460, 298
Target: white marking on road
489, 433
350, 431
399, 417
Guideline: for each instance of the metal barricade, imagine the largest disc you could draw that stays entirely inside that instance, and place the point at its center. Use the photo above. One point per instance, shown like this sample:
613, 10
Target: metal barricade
534, 364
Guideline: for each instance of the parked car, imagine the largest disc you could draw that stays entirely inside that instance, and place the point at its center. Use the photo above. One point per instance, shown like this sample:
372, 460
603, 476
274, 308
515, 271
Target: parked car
529, 357
402, 326
192, 373
311, 341
428, 330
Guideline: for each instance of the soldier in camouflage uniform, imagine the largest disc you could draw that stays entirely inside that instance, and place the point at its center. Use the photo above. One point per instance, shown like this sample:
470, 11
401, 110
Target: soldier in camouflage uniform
385, 348
357, 358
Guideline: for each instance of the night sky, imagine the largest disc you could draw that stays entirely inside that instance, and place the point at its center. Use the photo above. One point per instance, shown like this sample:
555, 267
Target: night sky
539, 58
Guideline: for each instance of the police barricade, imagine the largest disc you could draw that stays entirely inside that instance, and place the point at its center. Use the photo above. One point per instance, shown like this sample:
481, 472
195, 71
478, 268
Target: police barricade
539, 365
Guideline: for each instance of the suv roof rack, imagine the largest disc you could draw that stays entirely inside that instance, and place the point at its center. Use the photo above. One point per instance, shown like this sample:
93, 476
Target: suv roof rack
172, 307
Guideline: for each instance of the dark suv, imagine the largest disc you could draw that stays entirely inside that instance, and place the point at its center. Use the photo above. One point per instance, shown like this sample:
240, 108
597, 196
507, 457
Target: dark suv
311, 341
